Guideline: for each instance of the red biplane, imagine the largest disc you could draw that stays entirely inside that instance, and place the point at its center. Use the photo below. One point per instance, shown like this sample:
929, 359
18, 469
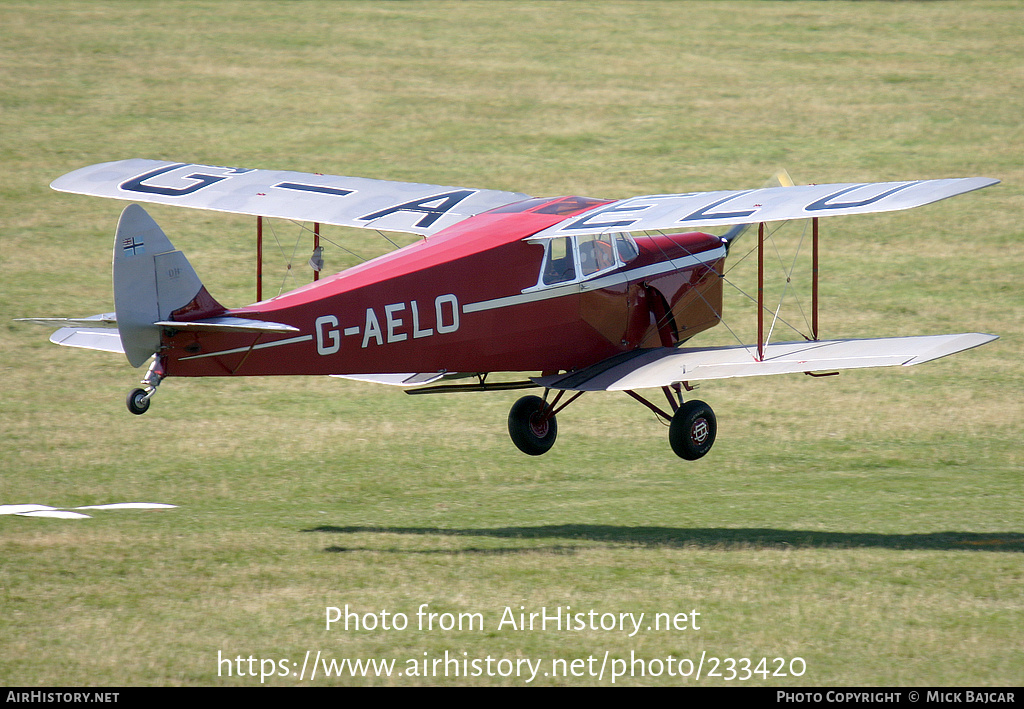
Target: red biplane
591, 294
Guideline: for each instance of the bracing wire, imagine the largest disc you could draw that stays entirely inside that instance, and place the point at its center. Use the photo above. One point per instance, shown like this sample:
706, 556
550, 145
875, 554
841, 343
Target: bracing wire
303, 228
333, 243
787, 272
289, 260
786, 288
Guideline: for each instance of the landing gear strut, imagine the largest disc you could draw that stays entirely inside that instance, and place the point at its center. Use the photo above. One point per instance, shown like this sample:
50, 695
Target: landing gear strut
138, 399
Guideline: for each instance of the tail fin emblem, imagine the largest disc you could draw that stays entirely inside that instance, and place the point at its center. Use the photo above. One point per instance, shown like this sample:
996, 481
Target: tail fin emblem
133, 246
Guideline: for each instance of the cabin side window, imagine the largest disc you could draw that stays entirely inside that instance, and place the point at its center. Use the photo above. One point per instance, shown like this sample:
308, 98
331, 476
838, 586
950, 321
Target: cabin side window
596, 253
559, 265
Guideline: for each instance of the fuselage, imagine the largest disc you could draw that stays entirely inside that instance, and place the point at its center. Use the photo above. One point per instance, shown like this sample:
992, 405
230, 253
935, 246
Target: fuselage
476, 297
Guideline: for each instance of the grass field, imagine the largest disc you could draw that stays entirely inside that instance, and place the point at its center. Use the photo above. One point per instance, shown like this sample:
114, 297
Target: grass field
870, 524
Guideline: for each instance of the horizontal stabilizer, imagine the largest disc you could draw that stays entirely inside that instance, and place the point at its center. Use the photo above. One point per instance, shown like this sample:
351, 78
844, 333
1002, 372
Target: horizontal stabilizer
227, 324
96, 332
90, 338
104, 320
663, 366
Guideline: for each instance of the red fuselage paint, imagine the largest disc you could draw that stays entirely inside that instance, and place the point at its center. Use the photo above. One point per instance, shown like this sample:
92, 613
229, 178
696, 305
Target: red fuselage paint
467, 300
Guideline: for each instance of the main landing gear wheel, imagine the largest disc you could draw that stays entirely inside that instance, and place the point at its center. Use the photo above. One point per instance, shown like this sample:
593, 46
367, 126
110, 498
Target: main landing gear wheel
532, 429
692, 431
138, 401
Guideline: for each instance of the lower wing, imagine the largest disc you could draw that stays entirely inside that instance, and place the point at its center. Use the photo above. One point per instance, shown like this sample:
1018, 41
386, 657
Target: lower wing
664, 366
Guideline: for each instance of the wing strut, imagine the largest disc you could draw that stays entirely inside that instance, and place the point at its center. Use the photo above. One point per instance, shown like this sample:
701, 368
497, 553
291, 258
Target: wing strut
259, 259
316, 252
760, 292
814, 278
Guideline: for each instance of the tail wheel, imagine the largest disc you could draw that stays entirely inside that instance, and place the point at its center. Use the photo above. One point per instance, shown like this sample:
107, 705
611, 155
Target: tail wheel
693, 429
531, 427
138, 401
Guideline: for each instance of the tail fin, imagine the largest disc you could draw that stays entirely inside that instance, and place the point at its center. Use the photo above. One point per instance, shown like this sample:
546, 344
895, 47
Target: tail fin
152, 281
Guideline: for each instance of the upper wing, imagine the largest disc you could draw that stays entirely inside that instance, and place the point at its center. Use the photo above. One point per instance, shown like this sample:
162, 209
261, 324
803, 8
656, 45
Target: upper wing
328, 199
426, 209
722, 208
663, 366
